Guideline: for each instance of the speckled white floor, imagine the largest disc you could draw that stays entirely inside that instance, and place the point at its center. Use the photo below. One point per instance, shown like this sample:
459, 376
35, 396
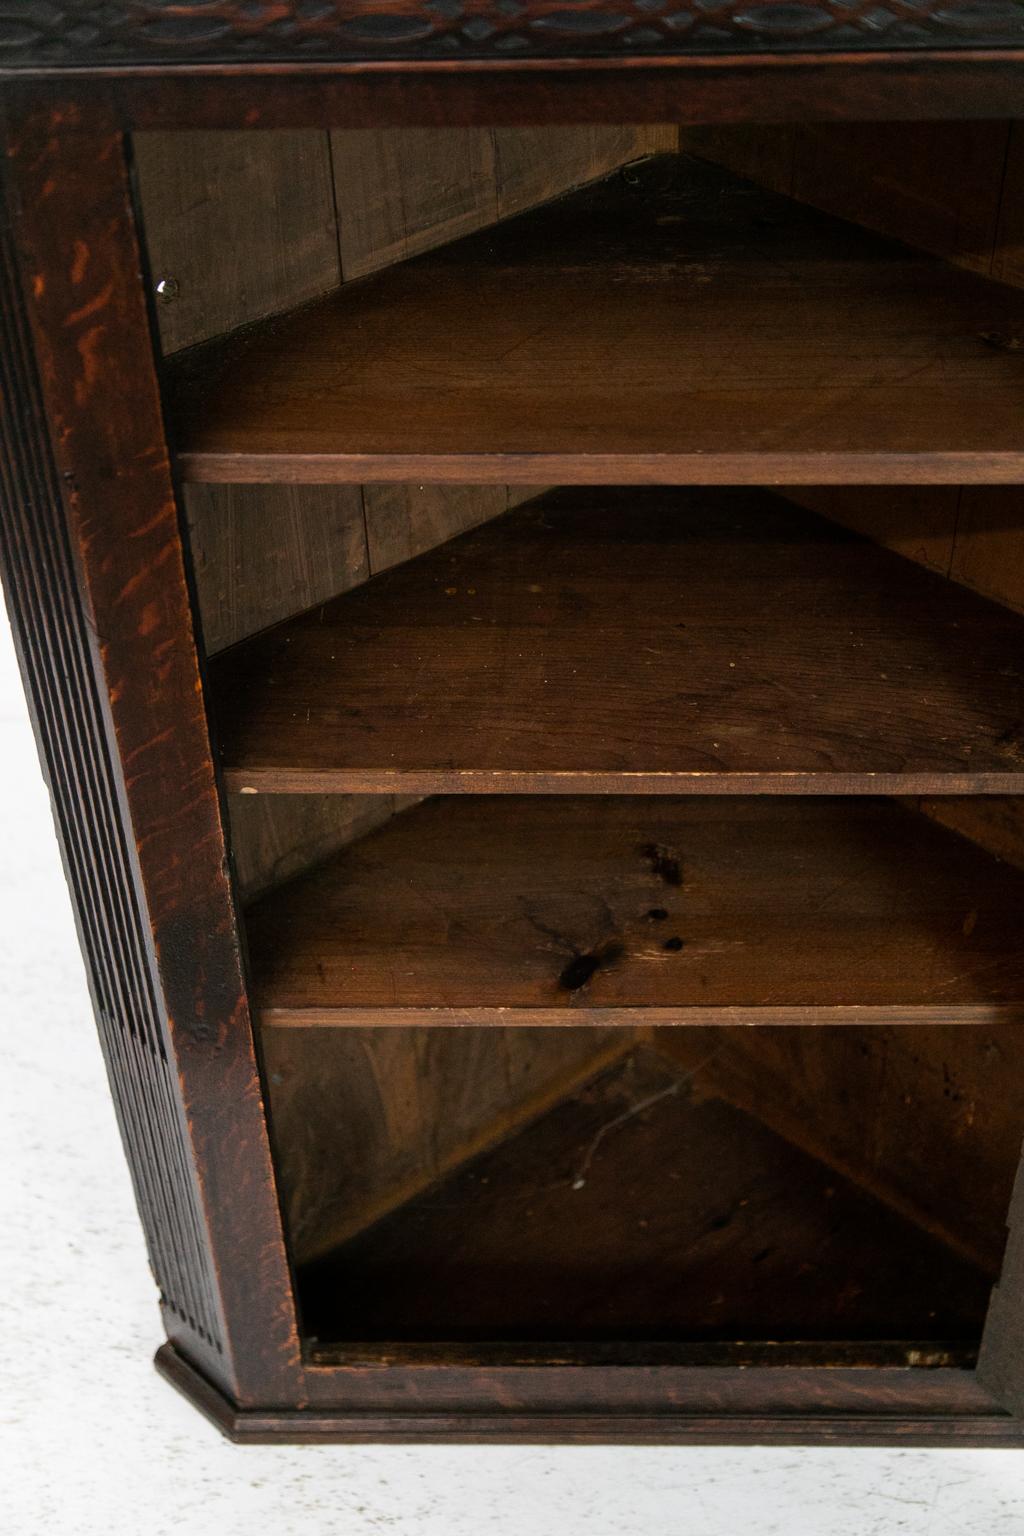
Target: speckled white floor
94, 1444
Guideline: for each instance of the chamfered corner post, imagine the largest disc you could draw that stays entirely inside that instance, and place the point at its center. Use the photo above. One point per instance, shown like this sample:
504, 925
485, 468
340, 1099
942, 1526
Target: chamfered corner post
94, 574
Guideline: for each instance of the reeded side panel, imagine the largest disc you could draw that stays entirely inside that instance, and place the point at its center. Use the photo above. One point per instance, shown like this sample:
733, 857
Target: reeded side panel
91, 548
49, 627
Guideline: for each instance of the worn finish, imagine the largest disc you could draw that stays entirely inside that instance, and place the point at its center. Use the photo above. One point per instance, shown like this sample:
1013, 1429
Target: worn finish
600, 1405
646, 641
265, 552
96, 574
677, 326
632, 910
275, 837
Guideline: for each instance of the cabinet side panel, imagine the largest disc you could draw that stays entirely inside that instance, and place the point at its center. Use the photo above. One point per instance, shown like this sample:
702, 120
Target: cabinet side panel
96, 585
50, 627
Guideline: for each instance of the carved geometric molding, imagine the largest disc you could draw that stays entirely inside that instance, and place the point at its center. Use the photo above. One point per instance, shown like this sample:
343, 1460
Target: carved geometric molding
95, 32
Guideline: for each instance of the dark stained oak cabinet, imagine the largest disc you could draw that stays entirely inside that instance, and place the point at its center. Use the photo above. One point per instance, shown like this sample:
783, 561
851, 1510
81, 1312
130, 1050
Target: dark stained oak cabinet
511, 519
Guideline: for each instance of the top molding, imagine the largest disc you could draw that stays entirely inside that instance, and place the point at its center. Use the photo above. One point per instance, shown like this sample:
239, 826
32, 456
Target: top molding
51, 34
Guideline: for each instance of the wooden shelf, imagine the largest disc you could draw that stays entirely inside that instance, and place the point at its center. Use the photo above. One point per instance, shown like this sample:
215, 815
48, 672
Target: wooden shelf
548, 910
641, 641
688, 328
634, 1210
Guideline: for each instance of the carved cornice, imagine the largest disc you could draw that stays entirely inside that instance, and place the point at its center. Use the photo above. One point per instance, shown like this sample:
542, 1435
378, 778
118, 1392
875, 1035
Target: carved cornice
89, 33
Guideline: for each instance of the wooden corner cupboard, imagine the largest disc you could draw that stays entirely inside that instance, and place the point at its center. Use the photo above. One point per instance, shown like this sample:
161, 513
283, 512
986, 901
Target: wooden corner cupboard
511, 514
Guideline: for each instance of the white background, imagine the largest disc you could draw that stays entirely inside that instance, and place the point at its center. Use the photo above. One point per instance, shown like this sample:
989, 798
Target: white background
95, 1444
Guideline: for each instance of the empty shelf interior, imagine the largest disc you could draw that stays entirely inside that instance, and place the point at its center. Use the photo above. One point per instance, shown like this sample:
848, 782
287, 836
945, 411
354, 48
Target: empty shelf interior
637, 1209
638, 640
673, 326
678, 325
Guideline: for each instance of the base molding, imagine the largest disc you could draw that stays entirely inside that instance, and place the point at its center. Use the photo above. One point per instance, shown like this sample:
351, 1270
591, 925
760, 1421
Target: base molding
320, 1425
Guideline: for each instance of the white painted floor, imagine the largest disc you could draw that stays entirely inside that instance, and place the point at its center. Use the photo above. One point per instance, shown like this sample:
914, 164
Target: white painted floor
94, 1444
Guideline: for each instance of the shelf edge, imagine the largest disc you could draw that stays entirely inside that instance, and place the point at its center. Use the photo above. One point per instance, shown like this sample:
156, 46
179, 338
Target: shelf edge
276, 1016
575, 781
211, 467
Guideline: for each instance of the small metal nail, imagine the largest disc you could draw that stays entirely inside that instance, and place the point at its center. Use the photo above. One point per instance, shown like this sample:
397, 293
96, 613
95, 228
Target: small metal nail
167, 289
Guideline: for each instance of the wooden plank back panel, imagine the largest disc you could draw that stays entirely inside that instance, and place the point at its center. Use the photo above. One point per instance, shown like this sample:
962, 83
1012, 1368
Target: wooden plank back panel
988, 551
407, 520
956, 189
1008, 254
936, 185
762, 151
366, 1119
275, 837
919, 522
932, 1128
994, 821
261, 553
402, 191
926, 1119
939, 186
241, 224
534, 165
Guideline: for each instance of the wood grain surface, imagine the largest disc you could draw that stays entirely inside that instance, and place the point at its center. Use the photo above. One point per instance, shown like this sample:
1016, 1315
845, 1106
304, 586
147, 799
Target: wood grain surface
651, 640
240, 225
550, 910
681, 325
261, 553
367, 1119
928, 1120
